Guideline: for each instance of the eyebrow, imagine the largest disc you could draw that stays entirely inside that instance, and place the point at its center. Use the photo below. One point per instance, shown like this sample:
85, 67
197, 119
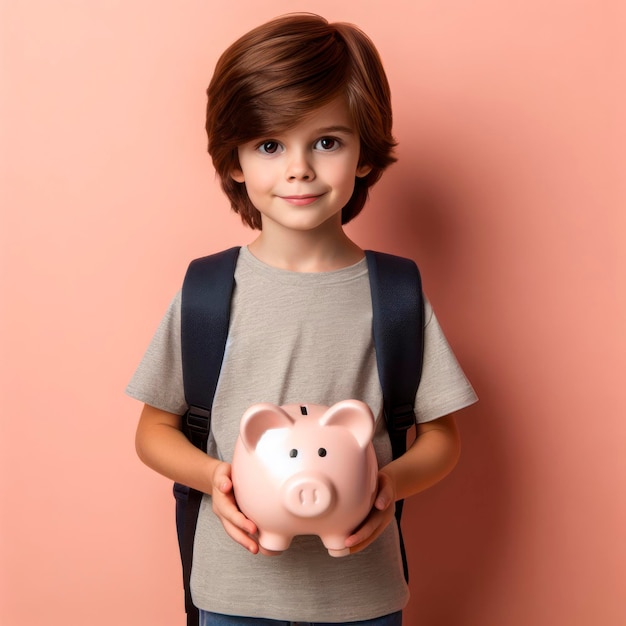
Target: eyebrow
335, 129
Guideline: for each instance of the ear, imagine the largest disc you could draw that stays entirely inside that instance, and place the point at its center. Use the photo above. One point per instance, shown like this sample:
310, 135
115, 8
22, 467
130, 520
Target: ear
363, 170
237, 175
260, 418
354, 415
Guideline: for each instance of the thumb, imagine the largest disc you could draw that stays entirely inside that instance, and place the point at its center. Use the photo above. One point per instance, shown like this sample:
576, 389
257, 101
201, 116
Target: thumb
221, 478
385, 495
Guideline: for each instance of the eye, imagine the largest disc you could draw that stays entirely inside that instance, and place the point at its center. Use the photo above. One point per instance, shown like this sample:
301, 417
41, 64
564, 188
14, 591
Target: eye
293, 453
322, 451
269, 147
327, 144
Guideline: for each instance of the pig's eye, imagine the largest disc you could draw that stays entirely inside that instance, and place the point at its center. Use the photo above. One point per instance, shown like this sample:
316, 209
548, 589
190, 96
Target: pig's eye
293, 453
322, 451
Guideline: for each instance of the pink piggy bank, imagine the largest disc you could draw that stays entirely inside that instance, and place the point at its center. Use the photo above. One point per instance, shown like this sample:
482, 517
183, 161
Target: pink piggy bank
306, 470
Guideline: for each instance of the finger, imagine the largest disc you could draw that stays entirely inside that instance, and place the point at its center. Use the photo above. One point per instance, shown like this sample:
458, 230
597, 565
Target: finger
226, 509
241, 537
225, 485
221, 478
384, 499
366, 530
385, 495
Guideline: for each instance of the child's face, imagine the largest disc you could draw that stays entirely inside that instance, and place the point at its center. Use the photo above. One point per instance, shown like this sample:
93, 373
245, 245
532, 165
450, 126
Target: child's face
301, 178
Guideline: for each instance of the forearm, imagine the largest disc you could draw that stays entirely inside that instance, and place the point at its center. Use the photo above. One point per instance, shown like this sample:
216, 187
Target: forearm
161, 445
432, 456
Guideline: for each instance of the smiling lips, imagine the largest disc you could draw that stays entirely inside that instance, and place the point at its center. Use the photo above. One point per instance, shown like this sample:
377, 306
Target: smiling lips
302, 200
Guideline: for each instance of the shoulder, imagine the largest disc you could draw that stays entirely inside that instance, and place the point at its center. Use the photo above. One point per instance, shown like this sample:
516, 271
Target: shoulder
214, 267
394, 261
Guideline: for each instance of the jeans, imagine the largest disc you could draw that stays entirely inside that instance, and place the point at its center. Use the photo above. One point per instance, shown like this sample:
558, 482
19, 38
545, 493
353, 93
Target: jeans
216, 619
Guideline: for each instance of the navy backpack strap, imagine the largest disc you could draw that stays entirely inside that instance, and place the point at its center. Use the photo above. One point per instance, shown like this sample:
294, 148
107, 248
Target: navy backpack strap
205, 316
398, 329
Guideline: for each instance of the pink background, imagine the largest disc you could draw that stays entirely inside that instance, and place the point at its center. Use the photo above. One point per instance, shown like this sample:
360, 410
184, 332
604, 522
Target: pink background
509, 193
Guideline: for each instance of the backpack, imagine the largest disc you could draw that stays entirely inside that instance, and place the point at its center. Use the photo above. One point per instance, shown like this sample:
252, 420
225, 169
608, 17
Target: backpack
397, 326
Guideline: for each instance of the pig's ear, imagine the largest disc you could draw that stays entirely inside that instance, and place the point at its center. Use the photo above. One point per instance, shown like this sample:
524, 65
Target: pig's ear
259, 418
354, 415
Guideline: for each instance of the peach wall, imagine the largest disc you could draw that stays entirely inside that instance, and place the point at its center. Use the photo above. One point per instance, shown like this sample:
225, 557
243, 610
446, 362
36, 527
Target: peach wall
507, 193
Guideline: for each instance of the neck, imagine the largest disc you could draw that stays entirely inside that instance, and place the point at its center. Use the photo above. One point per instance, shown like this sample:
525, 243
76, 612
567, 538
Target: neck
305, 252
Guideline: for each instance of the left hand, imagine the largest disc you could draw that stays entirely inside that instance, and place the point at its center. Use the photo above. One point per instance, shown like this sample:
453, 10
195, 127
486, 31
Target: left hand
379, 517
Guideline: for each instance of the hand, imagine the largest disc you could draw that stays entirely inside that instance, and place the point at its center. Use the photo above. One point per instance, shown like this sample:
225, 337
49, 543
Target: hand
381, 514
235, 523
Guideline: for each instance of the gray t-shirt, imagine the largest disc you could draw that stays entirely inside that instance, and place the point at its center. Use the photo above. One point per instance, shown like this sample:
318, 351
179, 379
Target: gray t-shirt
296, 338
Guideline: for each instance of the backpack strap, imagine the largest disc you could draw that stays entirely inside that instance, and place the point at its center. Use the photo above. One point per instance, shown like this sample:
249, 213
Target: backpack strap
398, 328
205, 316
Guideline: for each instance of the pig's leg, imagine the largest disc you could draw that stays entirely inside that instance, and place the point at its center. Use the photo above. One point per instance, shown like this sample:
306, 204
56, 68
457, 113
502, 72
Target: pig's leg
336, 545
274, 542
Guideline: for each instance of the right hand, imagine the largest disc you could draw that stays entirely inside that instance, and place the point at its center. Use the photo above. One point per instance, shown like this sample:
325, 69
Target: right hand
235, 523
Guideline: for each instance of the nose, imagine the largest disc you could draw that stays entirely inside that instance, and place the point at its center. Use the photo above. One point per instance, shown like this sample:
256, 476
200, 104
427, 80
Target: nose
299, 167
308, 495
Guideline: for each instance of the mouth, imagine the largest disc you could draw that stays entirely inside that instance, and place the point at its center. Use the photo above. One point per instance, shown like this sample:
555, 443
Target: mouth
301, 200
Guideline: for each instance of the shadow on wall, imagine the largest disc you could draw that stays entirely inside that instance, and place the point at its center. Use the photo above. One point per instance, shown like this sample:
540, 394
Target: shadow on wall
417, 211
457, 532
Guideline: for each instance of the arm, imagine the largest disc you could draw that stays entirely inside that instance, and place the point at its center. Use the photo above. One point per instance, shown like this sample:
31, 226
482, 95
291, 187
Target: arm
431, 457
162, 446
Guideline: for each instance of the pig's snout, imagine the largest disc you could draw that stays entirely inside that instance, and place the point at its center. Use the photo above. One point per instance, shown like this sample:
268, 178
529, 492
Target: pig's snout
308, 495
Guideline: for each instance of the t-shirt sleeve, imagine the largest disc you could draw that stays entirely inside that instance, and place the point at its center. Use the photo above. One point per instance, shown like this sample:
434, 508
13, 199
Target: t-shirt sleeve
444, 388
158, 380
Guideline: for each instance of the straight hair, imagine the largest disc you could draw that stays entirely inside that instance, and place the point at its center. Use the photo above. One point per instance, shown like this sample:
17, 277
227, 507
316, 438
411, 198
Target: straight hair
278, 73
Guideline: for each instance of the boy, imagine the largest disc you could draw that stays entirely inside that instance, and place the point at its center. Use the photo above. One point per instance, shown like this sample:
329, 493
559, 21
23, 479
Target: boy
299, 128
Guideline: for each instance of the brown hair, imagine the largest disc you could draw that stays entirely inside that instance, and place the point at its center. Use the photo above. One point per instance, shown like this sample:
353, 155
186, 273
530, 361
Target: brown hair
276, 74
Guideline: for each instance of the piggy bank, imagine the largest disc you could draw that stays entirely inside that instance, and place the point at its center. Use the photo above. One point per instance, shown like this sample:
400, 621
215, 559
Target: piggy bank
306, 470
